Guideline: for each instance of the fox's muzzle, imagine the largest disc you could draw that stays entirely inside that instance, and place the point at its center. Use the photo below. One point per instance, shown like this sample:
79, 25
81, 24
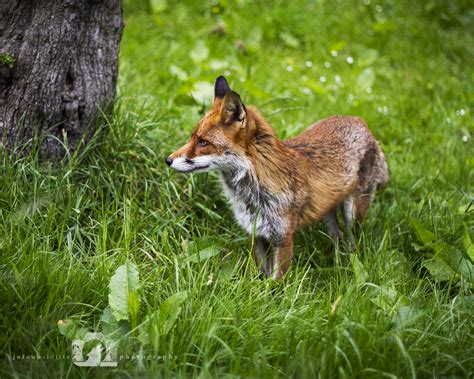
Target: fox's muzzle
183, 164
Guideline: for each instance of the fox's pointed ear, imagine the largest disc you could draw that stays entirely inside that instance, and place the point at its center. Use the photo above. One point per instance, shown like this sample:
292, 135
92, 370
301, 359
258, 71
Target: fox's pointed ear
233, 110
221, 88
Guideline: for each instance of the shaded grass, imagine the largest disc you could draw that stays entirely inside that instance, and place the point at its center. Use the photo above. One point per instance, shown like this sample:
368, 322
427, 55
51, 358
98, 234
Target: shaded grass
66, 228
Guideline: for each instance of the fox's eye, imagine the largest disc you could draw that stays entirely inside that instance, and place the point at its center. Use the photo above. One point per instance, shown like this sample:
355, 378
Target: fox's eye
202, 143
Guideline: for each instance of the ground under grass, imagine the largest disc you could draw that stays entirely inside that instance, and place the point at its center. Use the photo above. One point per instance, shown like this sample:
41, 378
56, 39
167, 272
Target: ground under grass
394, 310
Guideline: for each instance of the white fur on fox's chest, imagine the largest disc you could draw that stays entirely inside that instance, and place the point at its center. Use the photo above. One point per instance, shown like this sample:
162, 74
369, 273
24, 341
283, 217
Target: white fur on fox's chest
266, 220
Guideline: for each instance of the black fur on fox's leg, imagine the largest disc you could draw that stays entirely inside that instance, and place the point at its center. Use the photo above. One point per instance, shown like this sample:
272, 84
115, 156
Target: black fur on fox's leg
332, 226
263, 255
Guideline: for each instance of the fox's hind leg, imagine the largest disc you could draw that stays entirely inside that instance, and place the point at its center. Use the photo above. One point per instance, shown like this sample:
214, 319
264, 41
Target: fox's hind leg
348, 216
335, 232
362, 202
373, 175
361, 205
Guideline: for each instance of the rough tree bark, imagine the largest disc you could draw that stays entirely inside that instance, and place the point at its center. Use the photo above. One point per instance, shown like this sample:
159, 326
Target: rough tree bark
58, 68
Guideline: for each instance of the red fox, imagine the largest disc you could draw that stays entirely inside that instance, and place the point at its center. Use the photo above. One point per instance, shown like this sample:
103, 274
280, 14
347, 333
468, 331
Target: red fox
275, 186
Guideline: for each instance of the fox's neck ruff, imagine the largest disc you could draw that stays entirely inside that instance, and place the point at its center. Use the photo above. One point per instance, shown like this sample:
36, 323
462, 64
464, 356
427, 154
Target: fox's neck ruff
255, 187
255, 207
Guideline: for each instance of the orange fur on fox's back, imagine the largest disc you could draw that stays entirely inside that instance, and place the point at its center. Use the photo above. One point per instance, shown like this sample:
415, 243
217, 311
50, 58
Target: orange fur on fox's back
277, 186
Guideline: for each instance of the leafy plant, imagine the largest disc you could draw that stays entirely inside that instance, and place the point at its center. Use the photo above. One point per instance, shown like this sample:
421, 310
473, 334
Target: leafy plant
121, 318
443, 261
123, 298
396, 306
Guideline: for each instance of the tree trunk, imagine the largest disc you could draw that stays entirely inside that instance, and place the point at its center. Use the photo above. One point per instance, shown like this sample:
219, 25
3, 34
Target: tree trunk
58, 70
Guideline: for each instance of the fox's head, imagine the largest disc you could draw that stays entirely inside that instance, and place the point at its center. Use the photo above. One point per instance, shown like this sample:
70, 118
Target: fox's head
220, 138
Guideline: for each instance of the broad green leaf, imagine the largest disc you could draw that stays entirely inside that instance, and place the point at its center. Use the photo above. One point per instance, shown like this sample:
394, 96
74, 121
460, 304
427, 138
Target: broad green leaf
108, 322
204, 254
447, 262
468, 299
133, 307
365, 79
200, 52
107, 316
439, 247
387, 299
67, 328
459, 263
289, 39
419, 247
424, 235
158, 6
81, 333
112, 328
89, 345
360, 273
468, 245
160, 322
439, 270
170, 310
123, 282
367, 57
406, 314
228, 270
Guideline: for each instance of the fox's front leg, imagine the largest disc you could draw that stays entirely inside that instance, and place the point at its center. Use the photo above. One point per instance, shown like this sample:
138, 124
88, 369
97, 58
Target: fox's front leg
263, 255
282, 255
273, 259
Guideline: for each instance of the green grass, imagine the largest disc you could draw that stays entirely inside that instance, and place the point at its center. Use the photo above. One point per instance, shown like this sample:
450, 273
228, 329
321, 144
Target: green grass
66, 228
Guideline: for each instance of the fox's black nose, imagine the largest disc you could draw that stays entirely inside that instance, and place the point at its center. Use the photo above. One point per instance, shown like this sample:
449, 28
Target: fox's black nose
169, 161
